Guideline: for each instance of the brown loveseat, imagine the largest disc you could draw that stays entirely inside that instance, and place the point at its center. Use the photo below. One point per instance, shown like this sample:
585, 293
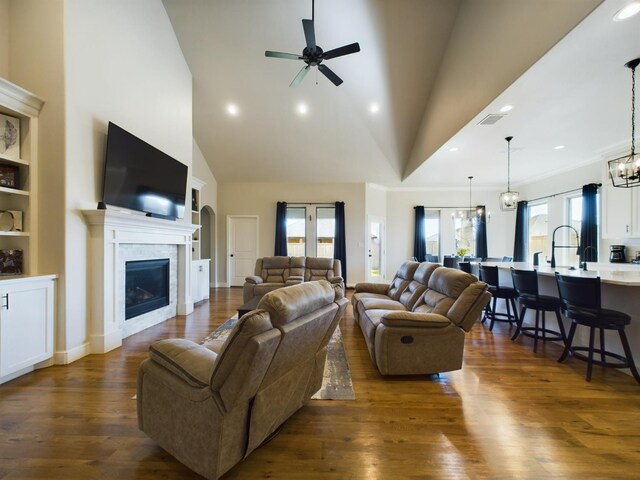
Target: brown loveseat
210, 410
277, 272
417, 323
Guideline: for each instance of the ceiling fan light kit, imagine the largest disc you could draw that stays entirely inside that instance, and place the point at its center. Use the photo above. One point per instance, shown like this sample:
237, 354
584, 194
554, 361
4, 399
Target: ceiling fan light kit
625, 171
509, 199
313, 55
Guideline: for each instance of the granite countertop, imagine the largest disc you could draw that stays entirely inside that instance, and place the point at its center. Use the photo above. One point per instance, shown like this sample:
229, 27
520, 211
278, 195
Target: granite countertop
616, 274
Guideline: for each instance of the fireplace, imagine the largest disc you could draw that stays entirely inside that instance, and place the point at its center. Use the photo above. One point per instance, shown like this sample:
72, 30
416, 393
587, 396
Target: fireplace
146, 286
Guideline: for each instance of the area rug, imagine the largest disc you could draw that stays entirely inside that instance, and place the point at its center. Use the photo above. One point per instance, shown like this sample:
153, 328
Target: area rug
336, 381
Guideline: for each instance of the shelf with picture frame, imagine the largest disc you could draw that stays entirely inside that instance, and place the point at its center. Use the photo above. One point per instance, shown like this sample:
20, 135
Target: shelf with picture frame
19, 111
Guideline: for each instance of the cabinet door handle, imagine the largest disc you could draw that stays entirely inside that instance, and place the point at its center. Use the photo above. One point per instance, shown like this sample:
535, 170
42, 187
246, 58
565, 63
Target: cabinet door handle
627, 228
6, 298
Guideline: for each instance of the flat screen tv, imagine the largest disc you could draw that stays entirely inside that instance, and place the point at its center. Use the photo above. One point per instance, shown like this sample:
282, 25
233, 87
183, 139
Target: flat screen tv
140, 177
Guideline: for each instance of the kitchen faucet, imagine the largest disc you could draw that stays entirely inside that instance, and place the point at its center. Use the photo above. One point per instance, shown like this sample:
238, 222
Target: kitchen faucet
554, 246
584, 255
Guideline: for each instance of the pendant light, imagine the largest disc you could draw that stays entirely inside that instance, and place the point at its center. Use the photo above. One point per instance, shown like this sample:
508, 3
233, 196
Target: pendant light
508, 199
625, 171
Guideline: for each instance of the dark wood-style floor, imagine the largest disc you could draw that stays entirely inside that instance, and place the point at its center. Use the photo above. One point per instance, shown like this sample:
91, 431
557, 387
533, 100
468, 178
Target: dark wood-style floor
509, 413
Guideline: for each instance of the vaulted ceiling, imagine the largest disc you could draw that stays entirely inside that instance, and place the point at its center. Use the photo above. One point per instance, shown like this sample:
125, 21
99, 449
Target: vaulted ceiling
435, 68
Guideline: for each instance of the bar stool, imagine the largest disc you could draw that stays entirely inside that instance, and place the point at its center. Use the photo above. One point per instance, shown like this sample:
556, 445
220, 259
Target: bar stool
465, 266
581, 302
489, 275
526, 284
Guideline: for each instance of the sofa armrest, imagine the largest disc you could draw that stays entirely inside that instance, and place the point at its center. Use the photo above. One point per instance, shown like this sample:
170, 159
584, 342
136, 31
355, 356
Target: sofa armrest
190, 361
294, 280
336, 280
253, 279
367, 287
414, 319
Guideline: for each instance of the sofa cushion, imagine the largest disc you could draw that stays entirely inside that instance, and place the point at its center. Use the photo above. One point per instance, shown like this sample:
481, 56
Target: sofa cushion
450, 281
275, 269
192, 362
289, 303
296, 267
379, 303
433, 301
319, 268
412, 319
424, 271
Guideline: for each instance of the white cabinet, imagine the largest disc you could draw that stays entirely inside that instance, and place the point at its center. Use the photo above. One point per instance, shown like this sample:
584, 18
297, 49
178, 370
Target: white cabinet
26, 324
618, 212
200, 280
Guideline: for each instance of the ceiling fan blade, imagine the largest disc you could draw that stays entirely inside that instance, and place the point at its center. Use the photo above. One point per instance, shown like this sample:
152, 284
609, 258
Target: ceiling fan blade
300, 76
340, 51
288, 56
327, 72
309, 34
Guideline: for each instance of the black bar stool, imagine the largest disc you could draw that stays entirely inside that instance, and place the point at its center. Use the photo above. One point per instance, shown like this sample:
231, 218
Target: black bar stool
489, 275
465, 266
580, 299
526, 284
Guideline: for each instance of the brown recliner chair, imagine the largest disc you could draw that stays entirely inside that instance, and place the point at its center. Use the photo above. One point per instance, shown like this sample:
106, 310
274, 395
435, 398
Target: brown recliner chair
211, 410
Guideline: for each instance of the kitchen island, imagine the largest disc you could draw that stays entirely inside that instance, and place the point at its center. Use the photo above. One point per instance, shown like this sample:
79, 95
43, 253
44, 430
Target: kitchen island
620, 291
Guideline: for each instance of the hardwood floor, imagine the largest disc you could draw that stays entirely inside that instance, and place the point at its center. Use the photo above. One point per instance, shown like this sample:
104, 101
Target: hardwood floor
509, 413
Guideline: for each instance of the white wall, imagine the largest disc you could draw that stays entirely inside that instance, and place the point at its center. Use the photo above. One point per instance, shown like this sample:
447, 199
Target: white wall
4, 38
401, 218
261, 198
122, 64
208, 197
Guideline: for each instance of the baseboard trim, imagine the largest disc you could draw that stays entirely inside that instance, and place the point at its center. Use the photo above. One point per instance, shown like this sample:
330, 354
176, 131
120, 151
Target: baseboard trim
64, 357
220, 285
105, 343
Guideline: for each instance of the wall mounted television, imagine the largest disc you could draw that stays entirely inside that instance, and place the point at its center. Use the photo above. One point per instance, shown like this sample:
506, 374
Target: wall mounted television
140, 177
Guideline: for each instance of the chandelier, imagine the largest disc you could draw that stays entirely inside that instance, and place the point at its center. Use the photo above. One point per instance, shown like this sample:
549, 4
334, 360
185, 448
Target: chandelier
625, 171
472, 215
508, 199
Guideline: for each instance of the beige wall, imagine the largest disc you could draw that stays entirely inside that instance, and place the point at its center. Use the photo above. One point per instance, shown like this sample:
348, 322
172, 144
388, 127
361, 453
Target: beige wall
260, 199
93, 62
401, 219
4, 38
36, 62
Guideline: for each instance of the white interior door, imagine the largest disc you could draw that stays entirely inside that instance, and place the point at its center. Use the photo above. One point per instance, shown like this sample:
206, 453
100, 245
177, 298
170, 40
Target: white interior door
375, 249
242, 248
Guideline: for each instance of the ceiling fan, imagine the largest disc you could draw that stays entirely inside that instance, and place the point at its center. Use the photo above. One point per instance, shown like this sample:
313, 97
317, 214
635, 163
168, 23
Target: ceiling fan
313, 55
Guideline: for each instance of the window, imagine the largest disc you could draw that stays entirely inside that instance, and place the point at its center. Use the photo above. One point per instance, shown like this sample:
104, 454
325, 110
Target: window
539, 231
570, 256
296, 231
325, 231
311, 231
432, 232
465, 233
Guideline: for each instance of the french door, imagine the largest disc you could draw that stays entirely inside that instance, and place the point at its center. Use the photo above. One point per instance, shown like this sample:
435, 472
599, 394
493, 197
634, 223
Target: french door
311, 230
376, 249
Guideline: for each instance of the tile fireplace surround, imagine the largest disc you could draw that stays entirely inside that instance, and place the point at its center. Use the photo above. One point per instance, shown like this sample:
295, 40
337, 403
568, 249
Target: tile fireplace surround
116, 237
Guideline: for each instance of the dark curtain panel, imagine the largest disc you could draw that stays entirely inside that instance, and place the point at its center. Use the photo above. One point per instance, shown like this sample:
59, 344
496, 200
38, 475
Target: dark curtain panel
281, 230
420, 239
522, 232
481, 233
340, 247
589, 229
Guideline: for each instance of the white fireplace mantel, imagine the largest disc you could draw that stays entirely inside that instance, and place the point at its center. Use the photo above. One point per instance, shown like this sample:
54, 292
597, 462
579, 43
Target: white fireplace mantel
108, 230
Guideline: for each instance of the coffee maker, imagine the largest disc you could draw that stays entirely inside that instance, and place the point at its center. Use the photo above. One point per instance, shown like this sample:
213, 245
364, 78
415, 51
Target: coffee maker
616, 254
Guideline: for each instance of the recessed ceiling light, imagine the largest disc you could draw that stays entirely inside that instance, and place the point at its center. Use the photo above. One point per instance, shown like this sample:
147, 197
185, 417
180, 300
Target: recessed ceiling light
302, 109
558, 147
232, 109
374, 108
506, 108
453, 149
627, 12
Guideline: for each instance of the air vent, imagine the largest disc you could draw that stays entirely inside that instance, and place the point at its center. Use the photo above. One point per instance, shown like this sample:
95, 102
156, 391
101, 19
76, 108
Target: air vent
490, 119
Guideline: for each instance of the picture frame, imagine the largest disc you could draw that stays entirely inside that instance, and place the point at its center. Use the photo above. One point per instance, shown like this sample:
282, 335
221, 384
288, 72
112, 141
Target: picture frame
9, 176
9, 137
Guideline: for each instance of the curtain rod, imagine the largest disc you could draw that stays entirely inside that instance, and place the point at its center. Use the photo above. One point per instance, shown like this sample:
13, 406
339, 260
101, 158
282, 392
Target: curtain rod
561, 193
310, 203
